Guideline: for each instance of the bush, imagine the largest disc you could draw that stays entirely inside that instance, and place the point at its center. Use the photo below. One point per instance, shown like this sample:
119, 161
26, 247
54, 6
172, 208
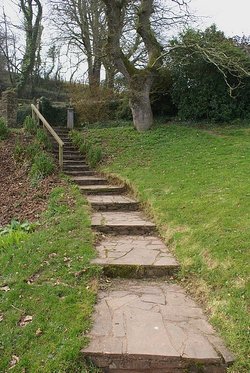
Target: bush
4, 130
93, 105
92, 152
42, 166
43, 139
22, 112
199, 89
30, 125
55, 115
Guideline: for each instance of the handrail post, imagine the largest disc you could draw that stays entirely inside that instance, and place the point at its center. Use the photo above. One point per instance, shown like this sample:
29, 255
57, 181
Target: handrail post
60, 156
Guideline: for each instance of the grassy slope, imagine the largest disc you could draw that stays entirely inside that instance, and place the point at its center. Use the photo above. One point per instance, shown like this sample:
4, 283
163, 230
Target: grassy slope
196, 186
61, 294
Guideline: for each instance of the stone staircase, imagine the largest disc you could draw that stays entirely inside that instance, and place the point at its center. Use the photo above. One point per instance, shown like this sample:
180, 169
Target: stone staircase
143, 321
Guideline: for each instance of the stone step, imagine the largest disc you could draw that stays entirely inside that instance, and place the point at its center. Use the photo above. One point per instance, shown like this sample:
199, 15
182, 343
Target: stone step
66, 148
135, 257
75, 161
73, 157
80, 173
101, 189
112, 203
128, 223
75, 167
153, 327
89, 180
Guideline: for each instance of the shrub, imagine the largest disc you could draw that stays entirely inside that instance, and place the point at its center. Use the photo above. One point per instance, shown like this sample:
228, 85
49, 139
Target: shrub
93, 105
92, 152
42, 166
22, 112
55, 115
4, 130
30, 125
43, 139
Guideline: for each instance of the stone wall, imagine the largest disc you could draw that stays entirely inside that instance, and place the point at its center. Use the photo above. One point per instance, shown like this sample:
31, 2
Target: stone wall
8, 107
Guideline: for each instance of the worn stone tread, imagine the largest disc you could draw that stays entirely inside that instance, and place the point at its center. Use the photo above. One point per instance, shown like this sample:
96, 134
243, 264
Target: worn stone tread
104, 189
152, 325
127, 222
134, 250
89, 180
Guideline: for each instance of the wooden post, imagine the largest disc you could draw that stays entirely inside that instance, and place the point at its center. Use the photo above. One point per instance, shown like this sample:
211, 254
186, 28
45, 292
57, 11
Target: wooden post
38, 108
60, 156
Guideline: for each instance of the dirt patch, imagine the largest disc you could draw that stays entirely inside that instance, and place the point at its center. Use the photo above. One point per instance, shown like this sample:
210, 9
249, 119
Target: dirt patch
18, 198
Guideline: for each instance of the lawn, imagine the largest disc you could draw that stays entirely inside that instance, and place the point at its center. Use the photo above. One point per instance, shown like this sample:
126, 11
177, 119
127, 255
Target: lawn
48, 289
195, 183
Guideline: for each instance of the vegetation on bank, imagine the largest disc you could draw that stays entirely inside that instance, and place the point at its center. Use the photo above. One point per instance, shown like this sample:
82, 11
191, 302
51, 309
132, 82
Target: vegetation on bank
195, 184
47, 288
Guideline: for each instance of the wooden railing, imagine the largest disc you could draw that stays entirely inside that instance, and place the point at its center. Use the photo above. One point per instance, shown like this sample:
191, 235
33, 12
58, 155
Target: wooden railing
36, 113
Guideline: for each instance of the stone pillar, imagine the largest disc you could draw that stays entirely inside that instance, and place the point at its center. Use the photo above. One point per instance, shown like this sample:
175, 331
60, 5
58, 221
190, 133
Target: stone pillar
70, 118
8, 107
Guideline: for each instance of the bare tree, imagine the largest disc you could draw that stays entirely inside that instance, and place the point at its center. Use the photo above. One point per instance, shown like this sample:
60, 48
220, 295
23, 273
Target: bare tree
139, 79
82, 25
32, 14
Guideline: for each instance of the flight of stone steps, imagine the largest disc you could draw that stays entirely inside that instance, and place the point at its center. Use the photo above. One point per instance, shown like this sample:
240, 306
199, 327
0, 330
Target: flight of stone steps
143, 321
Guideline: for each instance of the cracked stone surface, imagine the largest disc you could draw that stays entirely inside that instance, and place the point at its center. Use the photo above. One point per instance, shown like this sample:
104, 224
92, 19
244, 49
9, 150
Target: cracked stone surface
88, 178
134, 250
132, 218
140, 325
110, 199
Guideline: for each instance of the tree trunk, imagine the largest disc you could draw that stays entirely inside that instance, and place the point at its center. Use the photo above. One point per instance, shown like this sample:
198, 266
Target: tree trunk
139, 101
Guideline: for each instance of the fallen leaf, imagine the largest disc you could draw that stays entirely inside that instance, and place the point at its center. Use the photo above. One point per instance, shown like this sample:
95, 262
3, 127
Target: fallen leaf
39, 332
25, 320
5, 288
1, 316
14, 360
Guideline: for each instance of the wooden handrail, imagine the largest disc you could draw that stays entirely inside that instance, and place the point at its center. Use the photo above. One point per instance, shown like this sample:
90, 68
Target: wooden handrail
51, 131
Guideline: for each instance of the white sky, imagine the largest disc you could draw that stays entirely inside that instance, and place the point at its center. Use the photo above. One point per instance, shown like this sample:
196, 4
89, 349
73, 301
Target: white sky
230, 16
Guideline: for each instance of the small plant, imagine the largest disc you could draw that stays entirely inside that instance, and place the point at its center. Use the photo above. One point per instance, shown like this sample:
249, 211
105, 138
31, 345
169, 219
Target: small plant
19, 151
16, 225
4, 130
43, 139
30, 125
42, 166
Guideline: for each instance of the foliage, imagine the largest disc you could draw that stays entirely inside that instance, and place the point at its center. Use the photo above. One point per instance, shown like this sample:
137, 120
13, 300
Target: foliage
55, 115
43, 139
4, 130
92, 105
42, 166
92, 152
48, 276
160, 97
188, 178
22, 112
30, 125
210, 76
16, 225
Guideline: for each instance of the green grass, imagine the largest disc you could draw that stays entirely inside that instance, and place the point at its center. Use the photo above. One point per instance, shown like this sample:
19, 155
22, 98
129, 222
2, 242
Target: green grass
47, 275
196, 186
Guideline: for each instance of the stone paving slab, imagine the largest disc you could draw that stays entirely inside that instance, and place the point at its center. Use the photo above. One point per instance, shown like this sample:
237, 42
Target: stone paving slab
112, 202
149, 326
89, 180
103, 189
132, 222
140, 255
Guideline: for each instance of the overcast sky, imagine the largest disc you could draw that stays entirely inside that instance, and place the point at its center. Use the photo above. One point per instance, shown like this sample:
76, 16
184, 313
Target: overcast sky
232, 17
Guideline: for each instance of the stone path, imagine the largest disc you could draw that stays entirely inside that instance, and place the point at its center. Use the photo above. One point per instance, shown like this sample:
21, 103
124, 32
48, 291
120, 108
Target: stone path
142, 322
